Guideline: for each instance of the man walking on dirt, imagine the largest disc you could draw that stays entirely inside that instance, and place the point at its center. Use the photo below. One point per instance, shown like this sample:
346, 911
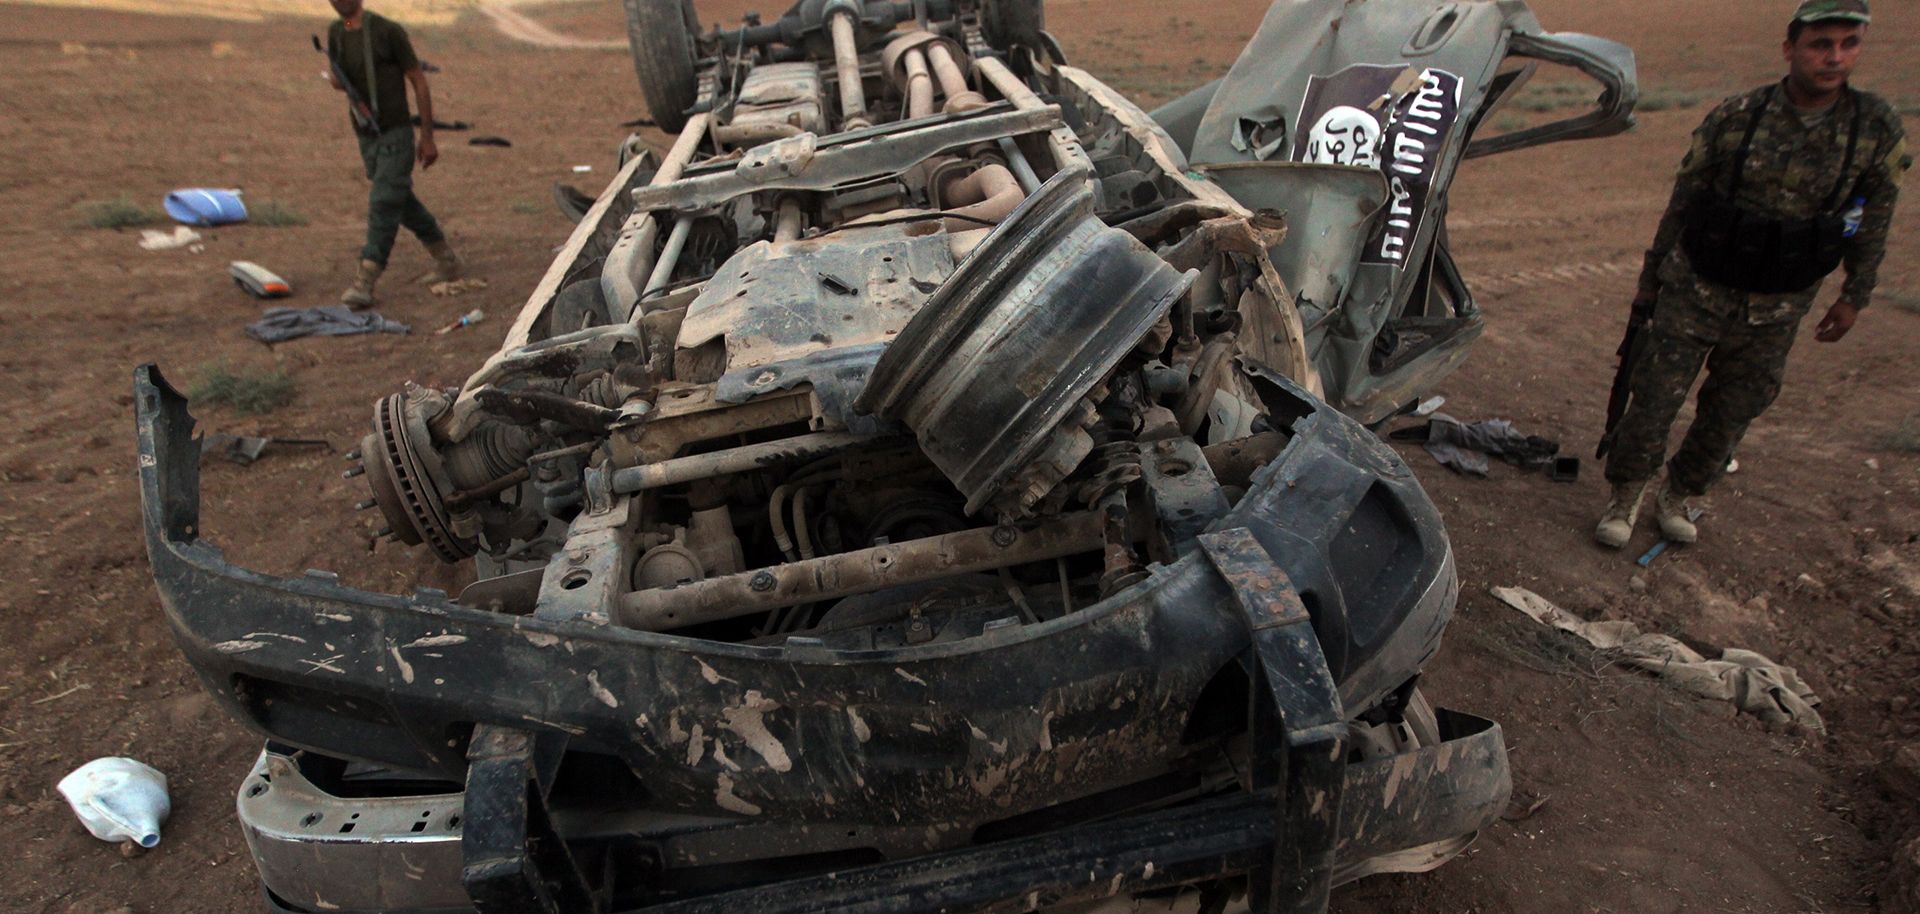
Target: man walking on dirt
1781, 185
375, 57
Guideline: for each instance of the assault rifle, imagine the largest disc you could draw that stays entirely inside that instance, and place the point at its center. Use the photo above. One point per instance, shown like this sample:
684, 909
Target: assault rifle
363, 120
1639, 325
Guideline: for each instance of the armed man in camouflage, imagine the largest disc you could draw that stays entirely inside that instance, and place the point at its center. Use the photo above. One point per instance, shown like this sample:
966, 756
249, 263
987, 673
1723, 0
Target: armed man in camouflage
375, 58
1781, 185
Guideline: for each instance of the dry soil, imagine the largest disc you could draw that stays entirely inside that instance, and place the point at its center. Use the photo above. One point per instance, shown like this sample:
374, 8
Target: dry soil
1653, 802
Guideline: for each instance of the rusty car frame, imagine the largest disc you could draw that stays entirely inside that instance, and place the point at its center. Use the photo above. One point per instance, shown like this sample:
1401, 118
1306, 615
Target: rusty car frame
933, 483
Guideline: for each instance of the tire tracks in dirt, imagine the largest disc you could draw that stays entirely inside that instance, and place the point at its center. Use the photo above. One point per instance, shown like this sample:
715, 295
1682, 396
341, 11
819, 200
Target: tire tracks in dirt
520, 27
1546, 235
1516, 280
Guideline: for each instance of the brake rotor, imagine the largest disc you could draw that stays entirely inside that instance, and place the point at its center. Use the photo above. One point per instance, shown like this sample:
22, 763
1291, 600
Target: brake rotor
403, 481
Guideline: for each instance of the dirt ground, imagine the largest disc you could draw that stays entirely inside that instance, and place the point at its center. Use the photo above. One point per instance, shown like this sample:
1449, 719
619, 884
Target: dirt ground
1654, 802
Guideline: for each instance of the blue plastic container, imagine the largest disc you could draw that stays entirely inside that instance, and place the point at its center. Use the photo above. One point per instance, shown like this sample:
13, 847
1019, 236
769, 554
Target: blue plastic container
205, 206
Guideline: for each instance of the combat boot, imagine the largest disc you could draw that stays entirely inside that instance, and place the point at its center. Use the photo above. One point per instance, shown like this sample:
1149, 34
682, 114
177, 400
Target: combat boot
447, 265
360, 295
1616, 525
1672, 510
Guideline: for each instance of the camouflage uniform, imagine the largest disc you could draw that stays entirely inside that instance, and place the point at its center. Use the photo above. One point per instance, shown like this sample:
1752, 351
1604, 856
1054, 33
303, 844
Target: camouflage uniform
1744, 337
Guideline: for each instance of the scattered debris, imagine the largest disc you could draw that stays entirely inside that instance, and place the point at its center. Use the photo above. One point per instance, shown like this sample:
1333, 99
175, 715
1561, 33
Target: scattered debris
572, 201
471, 317
490, 141
278, 325
453, 287
1522, 806
180, 237
1646, 558
1752, 682
245, 449
118, 799
1464, 447
1564, 469
61, 694
258, 281
582, 169
205, 206
1428, 406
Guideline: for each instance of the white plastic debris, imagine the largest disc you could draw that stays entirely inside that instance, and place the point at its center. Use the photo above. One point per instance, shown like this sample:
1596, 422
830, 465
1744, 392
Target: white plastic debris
119, 799
1427, 407
180, 237
582, 169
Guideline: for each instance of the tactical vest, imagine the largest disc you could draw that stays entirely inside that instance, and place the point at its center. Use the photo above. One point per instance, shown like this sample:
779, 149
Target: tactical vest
1741, 249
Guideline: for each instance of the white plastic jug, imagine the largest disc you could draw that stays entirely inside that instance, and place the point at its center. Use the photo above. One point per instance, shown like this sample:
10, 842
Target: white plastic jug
119, 799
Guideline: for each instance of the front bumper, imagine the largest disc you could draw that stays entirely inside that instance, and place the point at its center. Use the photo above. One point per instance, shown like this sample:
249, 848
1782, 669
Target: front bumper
405, 854
1324, 588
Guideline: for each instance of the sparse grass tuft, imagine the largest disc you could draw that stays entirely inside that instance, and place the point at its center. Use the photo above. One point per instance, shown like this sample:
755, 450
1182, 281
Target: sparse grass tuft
1537, 648
1555, 96
249, 391
1904, 437
526, 207
1666, 98
119, 212
273, 215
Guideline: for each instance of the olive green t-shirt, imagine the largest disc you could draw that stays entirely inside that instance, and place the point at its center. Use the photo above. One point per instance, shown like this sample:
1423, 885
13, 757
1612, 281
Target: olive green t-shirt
392, 59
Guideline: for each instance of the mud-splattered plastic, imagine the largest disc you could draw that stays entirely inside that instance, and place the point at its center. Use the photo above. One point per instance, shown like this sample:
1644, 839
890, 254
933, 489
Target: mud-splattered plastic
119, 799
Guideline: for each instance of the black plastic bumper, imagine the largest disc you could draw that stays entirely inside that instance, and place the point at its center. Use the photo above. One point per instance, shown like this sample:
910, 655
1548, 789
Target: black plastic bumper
911, 751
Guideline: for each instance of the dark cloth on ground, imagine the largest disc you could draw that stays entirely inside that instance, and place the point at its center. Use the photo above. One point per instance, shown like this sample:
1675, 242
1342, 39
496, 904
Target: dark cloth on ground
1464, 447
280, 324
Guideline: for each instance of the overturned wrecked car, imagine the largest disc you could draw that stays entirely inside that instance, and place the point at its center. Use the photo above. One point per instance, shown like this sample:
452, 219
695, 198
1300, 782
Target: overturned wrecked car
934, 484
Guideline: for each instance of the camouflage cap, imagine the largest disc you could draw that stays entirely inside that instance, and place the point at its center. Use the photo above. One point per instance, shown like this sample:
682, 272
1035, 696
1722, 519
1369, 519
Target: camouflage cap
1833, 10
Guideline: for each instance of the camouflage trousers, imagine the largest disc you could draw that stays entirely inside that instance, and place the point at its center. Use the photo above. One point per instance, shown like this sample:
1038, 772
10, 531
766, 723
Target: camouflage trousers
390, 202
1743, 341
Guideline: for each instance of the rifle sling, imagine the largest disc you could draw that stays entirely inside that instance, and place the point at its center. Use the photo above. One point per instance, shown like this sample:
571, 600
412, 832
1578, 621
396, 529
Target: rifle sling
373, 91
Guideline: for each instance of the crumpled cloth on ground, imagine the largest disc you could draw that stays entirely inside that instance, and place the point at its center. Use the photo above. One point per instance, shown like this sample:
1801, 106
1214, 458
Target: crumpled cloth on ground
1752, 682
279, 324
1465, 446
